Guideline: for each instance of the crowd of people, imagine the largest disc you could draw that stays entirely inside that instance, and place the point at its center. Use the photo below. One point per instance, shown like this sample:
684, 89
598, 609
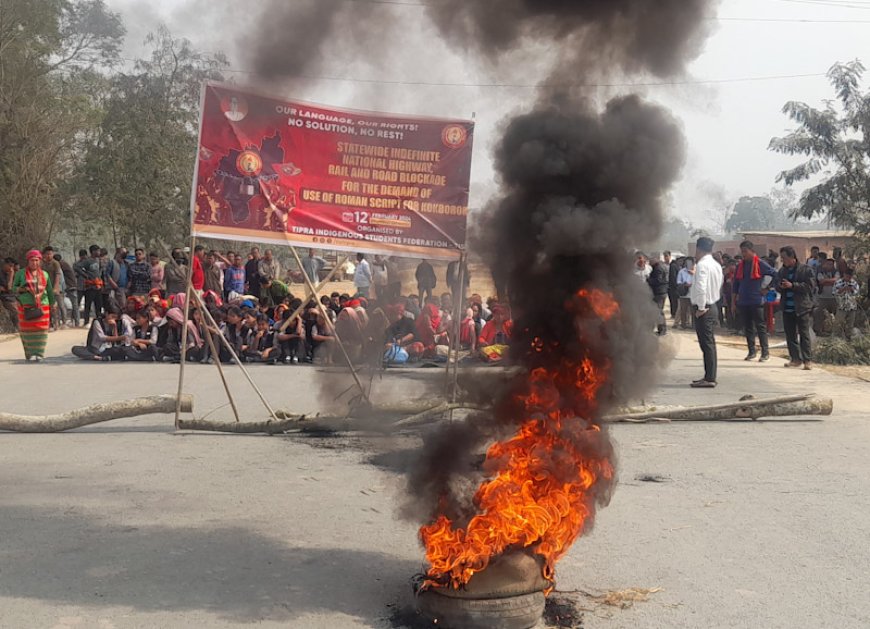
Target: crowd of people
242, 309
746, 293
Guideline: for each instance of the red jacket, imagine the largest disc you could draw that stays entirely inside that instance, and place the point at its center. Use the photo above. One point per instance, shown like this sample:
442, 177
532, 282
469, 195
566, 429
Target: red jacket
487, 334
197, 277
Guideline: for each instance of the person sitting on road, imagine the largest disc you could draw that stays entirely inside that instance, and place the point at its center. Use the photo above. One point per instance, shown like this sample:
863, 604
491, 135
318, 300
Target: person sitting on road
401, 332
107, 338
172, 349
143, 346
496, 335
292, 339
322, 340
263, 345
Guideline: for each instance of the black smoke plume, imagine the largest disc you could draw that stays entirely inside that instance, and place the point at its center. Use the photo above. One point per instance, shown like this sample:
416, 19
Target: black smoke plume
582, 185
294, 37
580, 189
589, 35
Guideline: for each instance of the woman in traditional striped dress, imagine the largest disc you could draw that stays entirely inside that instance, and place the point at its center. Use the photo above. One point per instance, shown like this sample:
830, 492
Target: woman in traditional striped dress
35, 295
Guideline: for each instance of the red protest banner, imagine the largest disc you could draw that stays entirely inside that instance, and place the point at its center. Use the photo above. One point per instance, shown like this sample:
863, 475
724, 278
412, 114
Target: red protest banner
286, 172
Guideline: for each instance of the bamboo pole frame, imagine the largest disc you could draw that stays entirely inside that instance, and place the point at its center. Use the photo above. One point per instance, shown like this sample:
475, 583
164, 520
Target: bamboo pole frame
320, 286
217, 361
212, 348
188, 292
313, 293
237, 359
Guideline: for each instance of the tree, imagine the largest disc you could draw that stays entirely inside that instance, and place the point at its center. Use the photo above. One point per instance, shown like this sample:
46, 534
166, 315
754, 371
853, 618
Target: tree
48, 52
675, 235
138, 171
836, 140
754, 213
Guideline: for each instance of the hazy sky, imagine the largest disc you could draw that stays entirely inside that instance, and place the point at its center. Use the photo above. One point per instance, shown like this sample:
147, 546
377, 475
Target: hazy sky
728, 124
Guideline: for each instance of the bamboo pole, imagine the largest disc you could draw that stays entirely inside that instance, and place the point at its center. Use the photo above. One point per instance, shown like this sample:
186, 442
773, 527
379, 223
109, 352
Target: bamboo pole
313, 292
238, 360
270, 427
458, 309
807, 404
453, 350
217, 361
319, 287
95, 414
214, 353
188, 292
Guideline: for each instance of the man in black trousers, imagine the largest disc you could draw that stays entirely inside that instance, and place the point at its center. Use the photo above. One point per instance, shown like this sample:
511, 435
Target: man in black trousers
705, 292
750, 286
673, 271
796, 283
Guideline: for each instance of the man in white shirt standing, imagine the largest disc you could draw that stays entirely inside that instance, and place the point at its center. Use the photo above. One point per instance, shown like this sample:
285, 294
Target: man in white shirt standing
362, 277
704, 293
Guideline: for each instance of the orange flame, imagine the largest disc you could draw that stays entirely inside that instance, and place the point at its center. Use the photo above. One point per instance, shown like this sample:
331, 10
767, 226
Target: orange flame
540, 496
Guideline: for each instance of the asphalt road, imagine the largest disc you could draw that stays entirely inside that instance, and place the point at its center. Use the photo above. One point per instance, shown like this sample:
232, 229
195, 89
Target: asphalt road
127, 524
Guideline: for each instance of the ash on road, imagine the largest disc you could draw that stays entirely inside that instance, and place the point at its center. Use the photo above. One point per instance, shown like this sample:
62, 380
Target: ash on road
127, 525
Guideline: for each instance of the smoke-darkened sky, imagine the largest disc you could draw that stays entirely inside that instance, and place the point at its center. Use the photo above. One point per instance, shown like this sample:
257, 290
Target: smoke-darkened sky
727, 125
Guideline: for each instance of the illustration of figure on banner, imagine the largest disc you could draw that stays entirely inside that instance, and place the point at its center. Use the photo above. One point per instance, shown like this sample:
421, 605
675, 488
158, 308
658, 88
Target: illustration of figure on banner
254, 182
208, 202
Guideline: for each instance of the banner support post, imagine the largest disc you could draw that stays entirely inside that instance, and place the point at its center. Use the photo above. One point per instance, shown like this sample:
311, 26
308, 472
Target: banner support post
313, 293
238, 360
455, 332
319, 287
217, 361
187, 293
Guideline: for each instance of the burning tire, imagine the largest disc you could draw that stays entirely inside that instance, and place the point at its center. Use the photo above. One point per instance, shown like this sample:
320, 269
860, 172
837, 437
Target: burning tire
515, 612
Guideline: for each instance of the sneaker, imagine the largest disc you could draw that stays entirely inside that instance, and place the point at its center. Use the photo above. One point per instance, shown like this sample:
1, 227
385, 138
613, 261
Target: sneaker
751, 356
295, 360
287, 360
38, 359
793, 364
764, 358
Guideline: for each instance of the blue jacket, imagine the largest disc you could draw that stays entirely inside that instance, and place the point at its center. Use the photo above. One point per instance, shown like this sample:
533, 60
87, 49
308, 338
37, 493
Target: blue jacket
748, 290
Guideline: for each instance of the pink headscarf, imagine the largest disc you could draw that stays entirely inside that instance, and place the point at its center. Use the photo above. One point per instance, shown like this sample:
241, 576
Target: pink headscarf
34, 253
175, 314
178, 300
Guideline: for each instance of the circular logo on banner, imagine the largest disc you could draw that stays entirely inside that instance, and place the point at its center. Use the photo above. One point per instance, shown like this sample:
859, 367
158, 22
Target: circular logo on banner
454, 136
235, 108
249, 163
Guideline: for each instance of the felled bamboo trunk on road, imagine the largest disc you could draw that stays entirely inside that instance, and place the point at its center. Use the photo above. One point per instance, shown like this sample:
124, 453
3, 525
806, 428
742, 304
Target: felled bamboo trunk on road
748, 409
93, 414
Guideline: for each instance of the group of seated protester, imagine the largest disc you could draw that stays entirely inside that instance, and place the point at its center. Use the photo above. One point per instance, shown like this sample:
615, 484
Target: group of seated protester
292, 331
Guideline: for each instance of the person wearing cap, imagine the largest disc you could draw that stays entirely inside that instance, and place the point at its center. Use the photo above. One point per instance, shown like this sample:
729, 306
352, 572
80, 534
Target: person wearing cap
35, 293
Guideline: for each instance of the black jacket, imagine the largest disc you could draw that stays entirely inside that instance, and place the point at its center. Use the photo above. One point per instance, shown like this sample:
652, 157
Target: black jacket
804, 288
673, 273
658, 279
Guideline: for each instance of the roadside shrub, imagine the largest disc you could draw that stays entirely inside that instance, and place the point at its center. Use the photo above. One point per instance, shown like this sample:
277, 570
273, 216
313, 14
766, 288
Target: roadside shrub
839, 351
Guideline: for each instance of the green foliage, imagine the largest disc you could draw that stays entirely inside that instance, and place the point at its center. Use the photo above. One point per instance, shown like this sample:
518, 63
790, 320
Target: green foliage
675, 235
48, 52
838, 351
755, 213
85, 148
137, 172
836, 142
